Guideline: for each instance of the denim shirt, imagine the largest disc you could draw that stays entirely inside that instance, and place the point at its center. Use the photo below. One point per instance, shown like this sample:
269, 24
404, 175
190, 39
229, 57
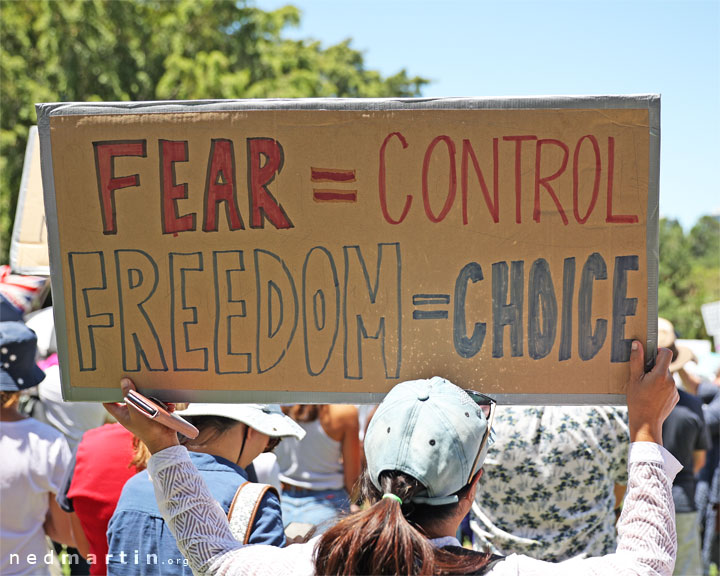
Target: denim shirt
140, 543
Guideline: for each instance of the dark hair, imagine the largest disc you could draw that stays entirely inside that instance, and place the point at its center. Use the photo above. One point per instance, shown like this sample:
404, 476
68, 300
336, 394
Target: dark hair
303, 412
210, 427
390, 538
273, 443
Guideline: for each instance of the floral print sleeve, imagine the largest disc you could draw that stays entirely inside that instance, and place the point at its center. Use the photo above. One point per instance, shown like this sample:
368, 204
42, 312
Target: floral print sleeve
548, 487
619, 419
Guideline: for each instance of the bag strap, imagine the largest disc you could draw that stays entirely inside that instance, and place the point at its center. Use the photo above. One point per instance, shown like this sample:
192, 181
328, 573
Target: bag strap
244, 508
32, 405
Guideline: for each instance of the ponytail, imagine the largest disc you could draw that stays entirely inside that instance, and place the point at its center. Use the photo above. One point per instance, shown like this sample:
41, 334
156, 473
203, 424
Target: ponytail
376, 541
384, 540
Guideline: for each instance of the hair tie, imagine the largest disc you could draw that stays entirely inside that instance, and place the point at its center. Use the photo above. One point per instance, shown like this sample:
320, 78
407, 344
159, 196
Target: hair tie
392, 497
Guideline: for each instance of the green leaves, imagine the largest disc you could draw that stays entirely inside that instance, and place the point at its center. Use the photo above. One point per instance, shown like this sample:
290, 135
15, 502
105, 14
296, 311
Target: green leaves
689, 273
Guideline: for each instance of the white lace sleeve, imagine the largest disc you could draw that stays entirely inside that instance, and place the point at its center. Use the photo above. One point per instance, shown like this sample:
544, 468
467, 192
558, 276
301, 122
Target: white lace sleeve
646, 529
201, 529
647, 543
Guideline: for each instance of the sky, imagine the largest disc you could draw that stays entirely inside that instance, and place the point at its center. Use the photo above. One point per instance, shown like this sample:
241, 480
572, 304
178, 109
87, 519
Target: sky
502, 48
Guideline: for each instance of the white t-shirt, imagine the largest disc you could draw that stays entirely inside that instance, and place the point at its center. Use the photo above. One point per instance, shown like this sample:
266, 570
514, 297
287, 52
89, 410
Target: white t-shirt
72, 418
33, 461
267, 470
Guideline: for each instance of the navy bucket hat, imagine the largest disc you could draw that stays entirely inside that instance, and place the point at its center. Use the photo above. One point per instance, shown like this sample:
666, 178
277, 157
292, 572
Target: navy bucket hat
18, 346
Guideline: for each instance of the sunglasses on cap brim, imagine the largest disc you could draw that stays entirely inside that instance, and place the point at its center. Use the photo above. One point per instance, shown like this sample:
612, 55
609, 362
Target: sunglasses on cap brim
487, 405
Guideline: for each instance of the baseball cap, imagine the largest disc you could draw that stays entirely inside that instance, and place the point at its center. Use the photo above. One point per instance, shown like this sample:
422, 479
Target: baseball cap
18, 346
265, 418
430, 430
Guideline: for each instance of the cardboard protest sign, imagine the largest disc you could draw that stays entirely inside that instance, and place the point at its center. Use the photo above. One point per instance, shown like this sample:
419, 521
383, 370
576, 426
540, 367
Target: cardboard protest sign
307, 250
29, 247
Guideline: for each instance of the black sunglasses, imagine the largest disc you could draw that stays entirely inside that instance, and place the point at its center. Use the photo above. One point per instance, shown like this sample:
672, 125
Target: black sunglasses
487, 405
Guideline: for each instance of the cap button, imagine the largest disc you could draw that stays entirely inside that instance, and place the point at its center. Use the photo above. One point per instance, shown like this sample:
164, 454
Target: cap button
423, 395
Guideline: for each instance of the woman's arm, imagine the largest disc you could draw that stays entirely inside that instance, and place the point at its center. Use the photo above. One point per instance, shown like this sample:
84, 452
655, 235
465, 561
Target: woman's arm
340, 423
350, 444
646, 530
197, 521
57, 523
194, 517
81, 543
647, 542
201, 528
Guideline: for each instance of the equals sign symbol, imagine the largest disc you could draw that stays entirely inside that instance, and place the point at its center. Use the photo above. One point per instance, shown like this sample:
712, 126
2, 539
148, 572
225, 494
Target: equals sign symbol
430, 300
334, 176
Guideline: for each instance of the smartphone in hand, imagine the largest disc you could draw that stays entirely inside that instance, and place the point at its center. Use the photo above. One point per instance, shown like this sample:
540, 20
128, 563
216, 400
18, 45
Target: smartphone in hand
153, 408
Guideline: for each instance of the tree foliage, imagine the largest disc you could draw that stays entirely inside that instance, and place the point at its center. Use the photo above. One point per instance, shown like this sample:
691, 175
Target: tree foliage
110, 50
689, 273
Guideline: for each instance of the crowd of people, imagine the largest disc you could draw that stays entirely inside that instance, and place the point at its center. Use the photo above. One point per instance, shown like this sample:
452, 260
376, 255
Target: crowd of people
436, 479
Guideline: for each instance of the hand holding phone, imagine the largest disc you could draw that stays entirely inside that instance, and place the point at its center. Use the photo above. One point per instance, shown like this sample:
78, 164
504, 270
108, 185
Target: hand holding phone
156, 410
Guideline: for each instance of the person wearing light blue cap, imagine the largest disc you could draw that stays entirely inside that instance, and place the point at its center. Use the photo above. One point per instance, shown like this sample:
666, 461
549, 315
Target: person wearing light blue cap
425, 448
434, 432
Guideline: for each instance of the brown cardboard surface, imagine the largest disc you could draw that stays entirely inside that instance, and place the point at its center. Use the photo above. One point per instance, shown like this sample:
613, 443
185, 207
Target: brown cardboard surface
29, 250
346, 251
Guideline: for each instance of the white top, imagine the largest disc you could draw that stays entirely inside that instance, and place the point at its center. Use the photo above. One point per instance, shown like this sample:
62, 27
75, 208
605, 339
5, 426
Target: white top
313, 463
33, 457
267, 470
647, 543
73, 419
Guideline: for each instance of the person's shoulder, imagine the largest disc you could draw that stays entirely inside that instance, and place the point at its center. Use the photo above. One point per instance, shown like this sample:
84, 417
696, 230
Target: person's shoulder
270, 497
222, 477
708, 392
137, 493
343, 410
212, 463
47, 446
598, 415
605, 418
345, 415
689, 401
106, 433
612, 411
41, 431
492, 559
136, 488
